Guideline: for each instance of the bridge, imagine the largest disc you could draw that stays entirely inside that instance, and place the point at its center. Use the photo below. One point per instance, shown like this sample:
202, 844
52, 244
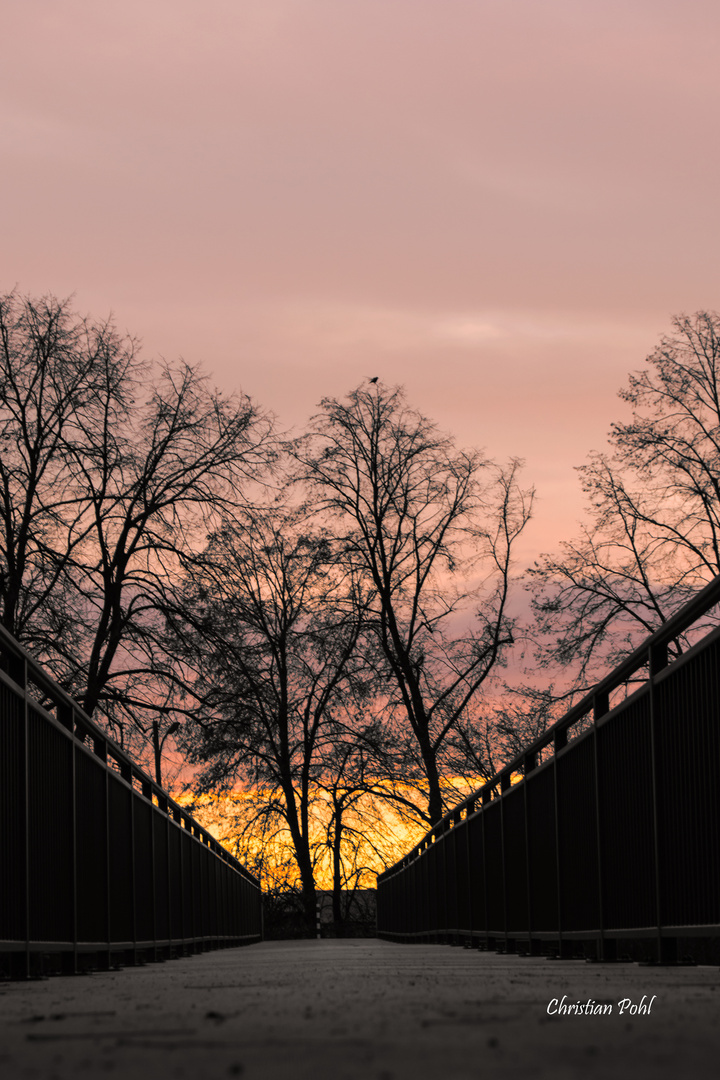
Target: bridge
599, 843
98, 865
603, 836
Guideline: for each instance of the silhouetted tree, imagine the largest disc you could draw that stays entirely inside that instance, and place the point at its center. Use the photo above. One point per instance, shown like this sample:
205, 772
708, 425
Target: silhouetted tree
111, 475
58, 375
491, 738
273, 621
155, 488
653, 535
359, 808
423, 523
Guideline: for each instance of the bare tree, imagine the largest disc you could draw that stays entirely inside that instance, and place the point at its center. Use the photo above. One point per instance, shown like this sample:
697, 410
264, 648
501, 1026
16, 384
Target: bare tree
54, 369
488, 741
155, 489
112, 474
358, 805
273, 636
652, 537
431, 529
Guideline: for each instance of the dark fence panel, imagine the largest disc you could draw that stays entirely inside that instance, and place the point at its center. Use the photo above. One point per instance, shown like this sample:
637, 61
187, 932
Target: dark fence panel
143, 871
476, 845
577, 836
542, 849
494, 870
161, 874
451, 882
607, 828
688, 757
50, 833
434, 886
627, 848
462, 870
188, 891
422, 908
91, 847
515, 856
96, 860
122, 885
13, 839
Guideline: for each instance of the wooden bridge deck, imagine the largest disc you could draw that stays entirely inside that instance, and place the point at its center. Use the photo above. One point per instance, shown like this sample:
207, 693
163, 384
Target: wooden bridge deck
360, 1010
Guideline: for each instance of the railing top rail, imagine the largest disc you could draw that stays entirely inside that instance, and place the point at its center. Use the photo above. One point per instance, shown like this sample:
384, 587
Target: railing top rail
60, 698
652, 646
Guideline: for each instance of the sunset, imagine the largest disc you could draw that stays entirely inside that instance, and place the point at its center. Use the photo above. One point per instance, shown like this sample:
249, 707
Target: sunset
359, 518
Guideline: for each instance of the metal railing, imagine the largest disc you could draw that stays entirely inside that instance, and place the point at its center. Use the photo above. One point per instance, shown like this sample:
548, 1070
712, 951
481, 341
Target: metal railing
97, 863
606, 828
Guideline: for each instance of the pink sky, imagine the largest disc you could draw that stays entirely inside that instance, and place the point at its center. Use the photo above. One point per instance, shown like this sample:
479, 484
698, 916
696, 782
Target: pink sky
498, 204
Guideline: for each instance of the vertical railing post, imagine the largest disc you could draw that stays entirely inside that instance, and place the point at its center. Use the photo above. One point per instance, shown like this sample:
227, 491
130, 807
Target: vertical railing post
468, 814
127, 775
154, 864
193, 916
168, 875
504, 786
108, 919
65, 715
486, 798
559, 741
219, 894
133, 872
20, 675
444, 834
601, 705
183, 919
187, 916
657, 660
428, 888
529, 763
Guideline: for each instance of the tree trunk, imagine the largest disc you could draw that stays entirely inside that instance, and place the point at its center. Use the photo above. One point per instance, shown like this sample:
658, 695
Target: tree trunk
338, 918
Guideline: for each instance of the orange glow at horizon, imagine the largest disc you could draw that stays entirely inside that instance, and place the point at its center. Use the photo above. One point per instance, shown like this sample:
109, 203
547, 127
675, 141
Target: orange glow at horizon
385, 839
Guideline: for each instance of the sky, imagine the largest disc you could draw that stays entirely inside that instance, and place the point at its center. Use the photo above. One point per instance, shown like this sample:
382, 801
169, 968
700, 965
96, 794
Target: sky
498, 205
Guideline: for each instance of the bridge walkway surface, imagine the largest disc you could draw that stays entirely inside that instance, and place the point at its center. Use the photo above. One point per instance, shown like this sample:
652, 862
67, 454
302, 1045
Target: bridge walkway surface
360, 1010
